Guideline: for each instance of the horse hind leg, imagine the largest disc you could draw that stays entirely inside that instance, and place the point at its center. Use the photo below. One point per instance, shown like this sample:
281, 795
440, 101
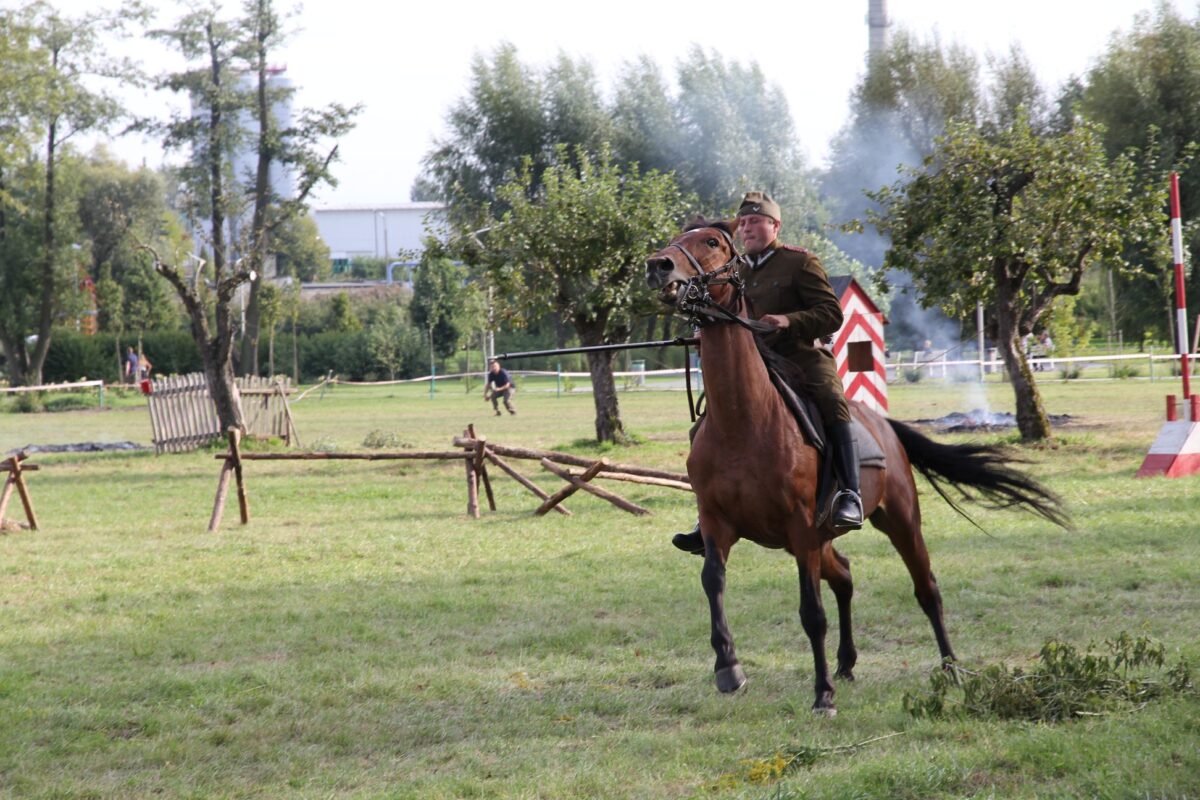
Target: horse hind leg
835, 570
904, 531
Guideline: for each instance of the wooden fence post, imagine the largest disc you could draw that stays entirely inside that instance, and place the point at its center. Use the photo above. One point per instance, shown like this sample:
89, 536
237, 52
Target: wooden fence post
480, 467
235, 450
472, 483
15, 478
581, 482
573, 485
521, 479
214, 522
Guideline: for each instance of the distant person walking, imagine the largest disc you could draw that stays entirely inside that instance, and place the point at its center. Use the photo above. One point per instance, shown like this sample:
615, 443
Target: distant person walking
499, 387
131, 366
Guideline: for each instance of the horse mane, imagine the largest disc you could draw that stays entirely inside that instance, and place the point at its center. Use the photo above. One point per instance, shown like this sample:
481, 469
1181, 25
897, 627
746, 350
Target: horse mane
699, 222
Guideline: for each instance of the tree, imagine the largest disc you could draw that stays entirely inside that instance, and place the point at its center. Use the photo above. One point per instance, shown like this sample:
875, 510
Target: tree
48, 88
219, 51
298, 149
577, 245
270, 310
299, 250
115, 202
905, 99
499, 122
439, 292
737, 133
342, 318
645, 129
390, 341
724, 131
1015, 220
1143, 91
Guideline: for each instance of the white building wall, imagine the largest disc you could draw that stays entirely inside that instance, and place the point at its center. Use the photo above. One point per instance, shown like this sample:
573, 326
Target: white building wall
385, 231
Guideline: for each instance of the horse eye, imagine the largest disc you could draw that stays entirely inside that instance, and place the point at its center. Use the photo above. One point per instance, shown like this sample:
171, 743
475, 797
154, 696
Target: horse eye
712, 243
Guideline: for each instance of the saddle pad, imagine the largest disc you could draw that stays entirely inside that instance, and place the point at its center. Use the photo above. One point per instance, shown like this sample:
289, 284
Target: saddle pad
809, 419
869, 452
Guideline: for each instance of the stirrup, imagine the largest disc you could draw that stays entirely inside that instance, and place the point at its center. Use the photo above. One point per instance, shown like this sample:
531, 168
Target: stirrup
843, 520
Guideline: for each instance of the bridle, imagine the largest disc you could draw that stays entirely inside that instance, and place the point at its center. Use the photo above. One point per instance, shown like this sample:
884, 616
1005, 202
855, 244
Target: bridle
696, 301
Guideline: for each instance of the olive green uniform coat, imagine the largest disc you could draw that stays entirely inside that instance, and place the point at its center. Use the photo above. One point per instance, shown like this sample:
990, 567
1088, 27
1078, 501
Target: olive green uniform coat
792, 282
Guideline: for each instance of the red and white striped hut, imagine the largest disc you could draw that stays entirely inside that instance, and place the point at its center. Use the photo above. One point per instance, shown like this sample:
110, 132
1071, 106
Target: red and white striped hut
858, 345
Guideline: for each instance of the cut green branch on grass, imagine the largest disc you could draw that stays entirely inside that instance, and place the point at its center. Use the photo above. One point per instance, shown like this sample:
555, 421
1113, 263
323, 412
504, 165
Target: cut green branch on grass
762, 771
1064, 685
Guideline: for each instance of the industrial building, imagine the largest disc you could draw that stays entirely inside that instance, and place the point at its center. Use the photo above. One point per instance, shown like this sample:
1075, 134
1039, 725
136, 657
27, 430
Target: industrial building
395, 232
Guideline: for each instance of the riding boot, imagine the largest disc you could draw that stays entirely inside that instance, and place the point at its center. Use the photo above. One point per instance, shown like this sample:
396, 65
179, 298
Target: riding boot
691, 541
847, 504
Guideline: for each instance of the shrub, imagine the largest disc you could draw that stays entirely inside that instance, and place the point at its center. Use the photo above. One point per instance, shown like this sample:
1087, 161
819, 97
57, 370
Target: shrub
29, 403
72, 355
912, 375
70, 402
1068, 373
1123, 371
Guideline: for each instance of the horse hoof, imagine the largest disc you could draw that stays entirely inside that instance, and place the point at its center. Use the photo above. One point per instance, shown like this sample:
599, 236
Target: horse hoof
829, 712
845, 675
730, 679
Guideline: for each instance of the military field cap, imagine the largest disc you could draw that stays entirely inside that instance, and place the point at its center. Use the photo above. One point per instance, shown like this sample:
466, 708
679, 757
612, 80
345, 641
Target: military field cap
760, 203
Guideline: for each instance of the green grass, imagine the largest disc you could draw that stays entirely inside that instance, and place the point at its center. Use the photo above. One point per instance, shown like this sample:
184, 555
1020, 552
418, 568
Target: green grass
363, 637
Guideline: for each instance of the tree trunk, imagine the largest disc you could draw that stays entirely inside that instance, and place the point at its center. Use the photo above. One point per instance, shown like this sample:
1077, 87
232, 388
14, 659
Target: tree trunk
33, 367
295, 355
249, 361
263, 30
1032, 421
271, 352
604, 393
216, 351
222, 387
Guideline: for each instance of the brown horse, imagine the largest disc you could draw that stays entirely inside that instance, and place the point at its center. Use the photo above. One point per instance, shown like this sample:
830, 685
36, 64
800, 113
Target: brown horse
756, 478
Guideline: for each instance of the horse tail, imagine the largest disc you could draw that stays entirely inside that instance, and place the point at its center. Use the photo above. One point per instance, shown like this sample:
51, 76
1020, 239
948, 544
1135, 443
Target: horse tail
982, 467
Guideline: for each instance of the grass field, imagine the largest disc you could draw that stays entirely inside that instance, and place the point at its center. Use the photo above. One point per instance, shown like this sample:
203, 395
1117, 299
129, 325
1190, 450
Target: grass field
363, 637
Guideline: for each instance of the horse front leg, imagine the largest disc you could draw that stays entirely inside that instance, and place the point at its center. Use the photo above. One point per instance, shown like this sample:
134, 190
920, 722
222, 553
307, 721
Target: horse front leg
812, 617
730, 676
835, 570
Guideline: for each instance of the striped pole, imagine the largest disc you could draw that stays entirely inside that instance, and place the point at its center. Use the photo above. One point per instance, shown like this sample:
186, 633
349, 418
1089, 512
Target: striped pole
1181, 346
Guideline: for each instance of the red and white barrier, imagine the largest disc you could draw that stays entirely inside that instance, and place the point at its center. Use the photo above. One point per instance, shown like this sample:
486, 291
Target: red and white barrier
1176, 451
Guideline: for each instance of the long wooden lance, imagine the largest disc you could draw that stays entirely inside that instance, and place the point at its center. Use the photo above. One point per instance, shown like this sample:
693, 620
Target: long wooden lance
679, 341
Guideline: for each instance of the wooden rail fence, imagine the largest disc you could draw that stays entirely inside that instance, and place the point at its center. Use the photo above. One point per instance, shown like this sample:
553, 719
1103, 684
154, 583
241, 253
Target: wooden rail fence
476, 453
184, 417
16, 480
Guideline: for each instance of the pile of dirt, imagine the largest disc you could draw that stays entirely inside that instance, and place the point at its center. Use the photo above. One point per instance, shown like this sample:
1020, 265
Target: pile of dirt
79, 447
982, 421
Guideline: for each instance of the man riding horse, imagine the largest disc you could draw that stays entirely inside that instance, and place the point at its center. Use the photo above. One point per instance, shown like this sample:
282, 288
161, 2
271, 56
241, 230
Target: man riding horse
787, 288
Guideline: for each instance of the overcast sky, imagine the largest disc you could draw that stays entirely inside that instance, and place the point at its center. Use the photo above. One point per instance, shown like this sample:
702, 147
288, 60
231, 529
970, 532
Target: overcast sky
408, 62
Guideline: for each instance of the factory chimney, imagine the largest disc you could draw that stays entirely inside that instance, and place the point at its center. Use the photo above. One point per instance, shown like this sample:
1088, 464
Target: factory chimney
878, 24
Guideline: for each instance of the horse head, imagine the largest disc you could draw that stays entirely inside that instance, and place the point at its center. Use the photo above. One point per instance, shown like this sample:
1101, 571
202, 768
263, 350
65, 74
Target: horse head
700, 251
